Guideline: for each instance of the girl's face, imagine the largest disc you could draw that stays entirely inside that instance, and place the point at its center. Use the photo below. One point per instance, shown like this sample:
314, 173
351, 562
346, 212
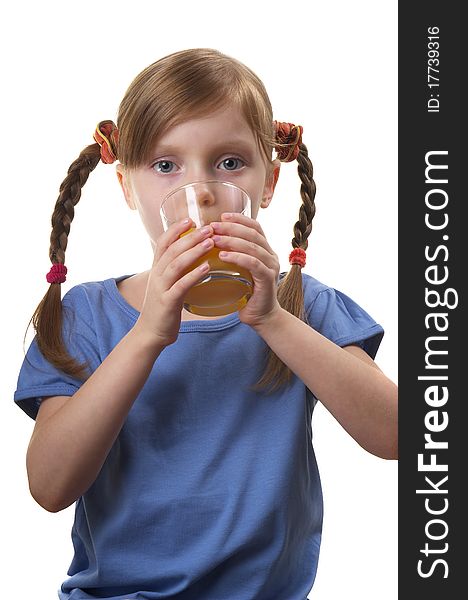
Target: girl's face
220, 146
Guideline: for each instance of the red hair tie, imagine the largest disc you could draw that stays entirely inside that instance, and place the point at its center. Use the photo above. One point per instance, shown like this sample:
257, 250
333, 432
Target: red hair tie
291, 135
105, 135
297, 257
57, 273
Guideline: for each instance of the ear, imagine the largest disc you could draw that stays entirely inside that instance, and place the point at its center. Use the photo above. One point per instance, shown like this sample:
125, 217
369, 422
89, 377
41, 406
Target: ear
125, 184
270, 183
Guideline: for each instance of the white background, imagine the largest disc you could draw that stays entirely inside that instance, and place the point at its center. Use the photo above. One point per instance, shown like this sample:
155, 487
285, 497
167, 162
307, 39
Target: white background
330, 66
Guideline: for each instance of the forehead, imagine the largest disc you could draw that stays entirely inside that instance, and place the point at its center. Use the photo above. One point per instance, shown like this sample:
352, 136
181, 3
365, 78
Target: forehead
227, 124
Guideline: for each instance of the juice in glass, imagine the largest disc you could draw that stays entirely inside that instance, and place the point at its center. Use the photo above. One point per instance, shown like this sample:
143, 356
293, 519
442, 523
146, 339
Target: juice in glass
226, 288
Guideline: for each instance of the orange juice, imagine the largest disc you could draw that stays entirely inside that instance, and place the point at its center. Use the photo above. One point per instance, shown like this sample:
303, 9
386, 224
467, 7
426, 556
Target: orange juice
225, 289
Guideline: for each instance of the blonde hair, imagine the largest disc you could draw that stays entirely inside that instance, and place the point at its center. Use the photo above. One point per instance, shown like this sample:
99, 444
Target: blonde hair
187, 84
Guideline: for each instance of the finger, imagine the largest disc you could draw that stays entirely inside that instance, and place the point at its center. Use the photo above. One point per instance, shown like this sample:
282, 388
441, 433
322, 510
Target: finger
186, 240
180, 288
252, 233
183, 263
257, 268
237, 244
244, 220
173, 233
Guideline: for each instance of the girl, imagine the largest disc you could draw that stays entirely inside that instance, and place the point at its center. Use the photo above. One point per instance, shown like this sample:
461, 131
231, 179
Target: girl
186, 441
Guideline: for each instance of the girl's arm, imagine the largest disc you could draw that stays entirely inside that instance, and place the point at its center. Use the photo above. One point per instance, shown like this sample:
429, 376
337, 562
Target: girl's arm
73, 435
346, 380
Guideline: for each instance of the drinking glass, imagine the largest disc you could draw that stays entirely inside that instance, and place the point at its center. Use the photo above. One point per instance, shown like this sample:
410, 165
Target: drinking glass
227, 287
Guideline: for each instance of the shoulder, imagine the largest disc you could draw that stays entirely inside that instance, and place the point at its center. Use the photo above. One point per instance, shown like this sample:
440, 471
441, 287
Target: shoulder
83, 295
338, 317
90, 292
311, 288
84, 301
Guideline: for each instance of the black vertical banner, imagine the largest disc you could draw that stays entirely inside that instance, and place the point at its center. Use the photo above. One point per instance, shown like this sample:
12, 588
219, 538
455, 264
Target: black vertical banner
433, 266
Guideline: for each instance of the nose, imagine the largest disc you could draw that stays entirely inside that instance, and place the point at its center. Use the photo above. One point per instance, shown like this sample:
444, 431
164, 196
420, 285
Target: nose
205, 195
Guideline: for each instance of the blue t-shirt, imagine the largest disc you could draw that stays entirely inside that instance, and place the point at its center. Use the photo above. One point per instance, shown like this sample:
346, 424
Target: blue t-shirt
211, 490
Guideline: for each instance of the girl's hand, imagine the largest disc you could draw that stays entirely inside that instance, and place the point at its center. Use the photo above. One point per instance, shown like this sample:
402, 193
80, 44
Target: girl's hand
246, 246
170, 279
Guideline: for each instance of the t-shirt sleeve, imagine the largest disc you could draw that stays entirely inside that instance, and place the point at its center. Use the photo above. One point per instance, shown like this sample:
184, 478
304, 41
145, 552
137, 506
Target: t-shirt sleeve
340, 319
38, 378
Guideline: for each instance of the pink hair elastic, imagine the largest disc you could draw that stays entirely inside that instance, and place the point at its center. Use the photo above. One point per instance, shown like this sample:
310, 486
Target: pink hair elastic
297, 257
57, 273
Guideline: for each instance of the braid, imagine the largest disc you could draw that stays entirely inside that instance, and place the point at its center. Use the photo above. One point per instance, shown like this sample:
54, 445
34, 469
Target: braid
290, 292
303, 226
47, 318
69, 196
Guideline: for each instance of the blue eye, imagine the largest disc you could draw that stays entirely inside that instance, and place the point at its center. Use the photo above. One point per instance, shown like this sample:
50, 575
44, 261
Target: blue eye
163, 166
231, 163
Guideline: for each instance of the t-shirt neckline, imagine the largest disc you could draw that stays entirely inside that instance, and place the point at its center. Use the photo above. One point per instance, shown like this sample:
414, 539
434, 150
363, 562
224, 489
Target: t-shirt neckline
185, 326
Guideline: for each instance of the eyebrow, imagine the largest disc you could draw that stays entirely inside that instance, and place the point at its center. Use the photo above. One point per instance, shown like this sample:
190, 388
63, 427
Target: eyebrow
228, 143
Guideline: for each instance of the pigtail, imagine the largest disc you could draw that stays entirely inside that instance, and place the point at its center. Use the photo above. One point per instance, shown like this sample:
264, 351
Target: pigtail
290, 291
47, 319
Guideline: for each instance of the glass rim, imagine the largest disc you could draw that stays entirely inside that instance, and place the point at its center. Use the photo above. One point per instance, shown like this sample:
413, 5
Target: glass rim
192, 183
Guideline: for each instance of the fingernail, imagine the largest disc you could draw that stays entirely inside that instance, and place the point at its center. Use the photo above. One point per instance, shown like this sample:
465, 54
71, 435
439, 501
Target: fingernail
185, 221
205, 229
227, 215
